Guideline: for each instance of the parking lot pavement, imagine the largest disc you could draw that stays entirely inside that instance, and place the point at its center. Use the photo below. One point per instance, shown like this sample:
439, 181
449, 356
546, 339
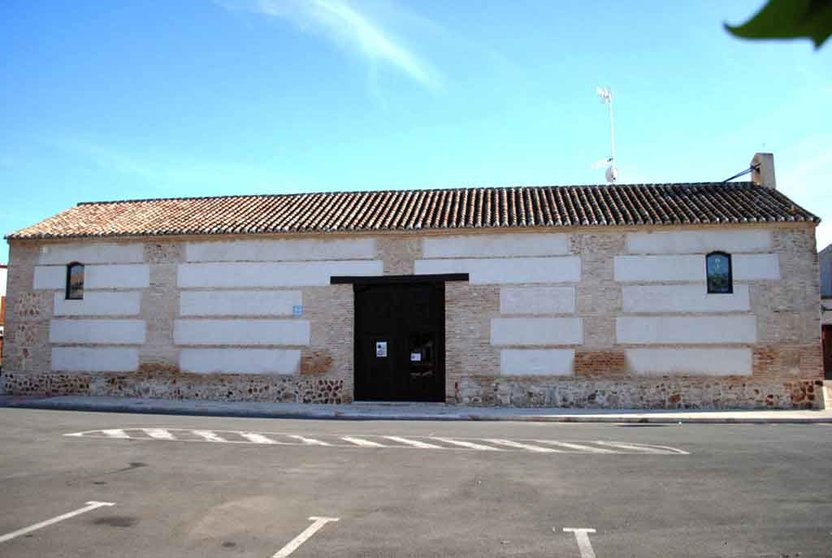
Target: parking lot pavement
103, 484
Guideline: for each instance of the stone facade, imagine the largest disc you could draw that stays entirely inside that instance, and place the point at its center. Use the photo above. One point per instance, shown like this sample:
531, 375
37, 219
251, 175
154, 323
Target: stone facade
609, 317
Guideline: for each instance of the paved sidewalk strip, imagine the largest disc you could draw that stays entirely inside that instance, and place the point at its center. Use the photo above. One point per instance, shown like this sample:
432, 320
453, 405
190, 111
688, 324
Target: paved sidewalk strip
379, 441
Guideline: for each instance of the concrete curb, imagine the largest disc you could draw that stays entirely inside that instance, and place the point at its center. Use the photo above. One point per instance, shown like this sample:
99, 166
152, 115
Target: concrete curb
407, 412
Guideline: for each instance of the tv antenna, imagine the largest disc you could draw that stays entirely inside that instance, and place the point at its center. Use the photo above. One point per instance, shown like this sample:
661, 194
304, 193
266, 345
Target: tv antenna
605, 93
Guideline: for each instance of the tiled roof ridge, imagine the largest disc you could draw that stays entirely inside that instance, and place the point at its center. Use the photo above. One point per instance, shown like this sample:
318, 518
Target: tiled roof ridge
431, 189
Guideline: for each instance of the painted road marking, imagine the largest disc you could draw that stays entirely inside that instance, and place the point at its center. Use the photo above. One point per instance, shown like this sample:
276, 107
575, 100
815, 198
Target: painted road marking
582, 538
209, 436
518, 445
386, 441
573, 446
308, 441
116, 433
158, 433
303, 537
362, 442
91, 505
256, 438
414, 443
469, 445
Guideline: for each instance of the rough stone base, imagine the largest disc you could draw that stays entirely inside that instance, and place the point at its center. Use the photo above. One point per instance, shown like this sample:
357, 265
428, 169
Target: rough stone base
178, 385
658, 393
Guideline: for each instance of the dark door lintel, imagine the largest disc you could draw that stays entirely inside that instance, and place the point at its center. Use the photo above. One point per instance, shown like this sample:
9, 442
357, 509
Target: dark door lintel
393, 279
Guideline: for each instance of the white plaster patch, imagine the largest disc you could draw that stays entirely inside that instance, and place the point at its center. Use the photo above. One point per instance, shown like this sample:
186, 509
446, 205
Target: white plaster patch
536, 331
276, 250
241, 332
563, 269
698, 241
99, 303
102, 332
537, 300
750, 267
116, 276
50, 277
660, 268
238, 303
95, 359
91, 253
291, 274
708, 362
496, 245
658, 299
552, 362
686, 329
240, 361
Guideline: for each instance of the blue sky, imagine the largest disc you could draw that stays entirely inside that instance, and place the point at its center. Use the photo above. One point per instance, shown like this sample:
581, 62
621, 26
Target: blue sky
145, 98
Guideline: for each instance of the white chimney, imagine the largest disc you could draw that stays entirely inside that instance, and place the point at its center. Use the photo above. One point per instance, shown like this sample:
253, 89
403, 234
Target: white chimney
762, 173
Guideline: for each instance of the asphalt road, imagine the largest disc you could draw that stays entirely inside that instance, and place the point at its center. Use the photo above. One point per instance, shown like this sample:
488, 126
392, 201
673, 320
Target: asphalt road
198, 486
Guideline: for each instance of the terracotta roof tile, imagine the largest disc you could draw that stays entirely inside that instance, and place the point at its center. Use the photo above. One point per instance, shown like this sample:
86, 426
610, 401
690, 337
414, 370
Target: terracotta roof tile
533, 206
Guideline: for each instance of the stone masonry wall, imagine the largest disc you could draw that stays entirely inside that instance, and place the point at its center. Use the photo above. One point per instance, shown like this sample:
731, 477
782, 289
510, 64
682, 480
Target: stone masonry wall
785, 367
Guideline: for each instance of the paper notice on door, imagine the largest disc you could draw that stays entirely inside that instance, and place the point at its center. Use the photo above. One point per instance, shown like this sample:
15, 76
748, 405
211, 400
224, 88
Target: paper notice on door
381, 349
415, 357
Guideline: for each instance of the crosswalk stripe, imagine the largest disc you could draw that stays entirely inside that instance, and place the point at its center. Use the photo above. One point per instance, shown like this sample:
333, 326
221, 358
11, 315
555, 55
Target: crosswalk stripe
209, 435
638, 447
158, 433
413, 443
578, 447
518, 445
308, 441
464, 444
362, 442
257, 438
116, 433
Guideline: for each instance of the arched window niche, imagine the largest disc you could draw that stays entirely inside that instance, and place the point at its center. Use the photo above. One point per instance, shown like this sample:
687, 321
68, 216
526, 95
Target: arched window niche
75, 281
718, 272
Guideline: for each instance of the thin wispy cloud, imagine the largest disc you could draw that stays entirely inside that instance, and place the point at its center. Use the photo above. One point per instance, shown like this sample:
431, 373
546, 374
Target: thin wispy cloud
354, 31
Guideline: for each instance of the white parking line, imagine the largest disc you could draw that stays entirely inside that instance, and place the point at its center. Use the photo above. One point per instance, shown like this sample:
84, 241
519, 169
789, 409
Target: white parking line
116, 433
362, 442
518, 445
256, 438
209, 436
464, 444
308, 441
573, 446
635, 446
89, 507
303, 537
582, 538
158, 433
414, 443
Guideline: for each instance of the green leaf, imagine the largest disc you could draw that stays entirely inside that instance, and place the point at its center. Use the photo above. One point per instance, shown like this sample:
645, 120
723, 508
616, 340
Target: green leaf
789, 19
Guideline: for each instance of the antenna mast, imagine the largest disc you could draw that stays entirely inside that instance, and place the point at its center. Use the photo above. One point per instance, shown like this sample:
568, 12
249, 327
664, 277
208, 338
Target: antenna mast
605, 93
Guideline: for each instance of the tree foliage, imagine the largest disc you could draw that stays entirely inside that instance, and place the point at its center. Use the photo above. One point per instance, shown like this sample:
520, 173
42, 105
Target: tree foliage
788, 19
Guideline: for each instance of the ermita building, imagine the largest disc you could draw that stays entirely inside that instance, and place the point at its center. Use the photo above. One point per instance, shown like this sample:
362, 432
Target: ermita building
627, 296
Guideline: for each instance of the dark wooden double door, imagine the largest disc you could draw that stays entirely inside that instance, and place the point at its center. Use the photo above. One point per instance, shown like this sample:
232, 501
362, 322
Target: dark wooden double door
400, 342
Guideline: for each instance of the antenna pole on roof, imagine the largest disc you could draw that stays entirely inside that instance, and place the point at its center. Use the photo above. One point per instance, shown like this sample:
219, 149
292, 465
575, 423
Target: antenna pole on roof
605, 93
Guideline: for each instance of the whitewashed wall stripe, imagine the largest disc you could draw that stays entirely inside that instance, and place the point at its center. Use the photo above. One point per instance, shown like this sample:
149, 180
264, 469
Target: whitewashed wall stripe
239, 303
659, 299
698, 242
537, 300
91, 253
709, 362
558, 269
241, 332
123, 276
95, 359
749, 267
492, 245
686, 329
276, 250
550, 362
99, 303
536, 331
51, 277
691, 268
103, 332
288, 274
240, 361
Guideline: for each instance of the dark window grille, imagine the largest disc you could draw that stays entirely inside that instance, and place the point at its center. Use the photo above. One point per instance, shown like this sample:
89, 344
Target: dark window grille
718, 271
75, 281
